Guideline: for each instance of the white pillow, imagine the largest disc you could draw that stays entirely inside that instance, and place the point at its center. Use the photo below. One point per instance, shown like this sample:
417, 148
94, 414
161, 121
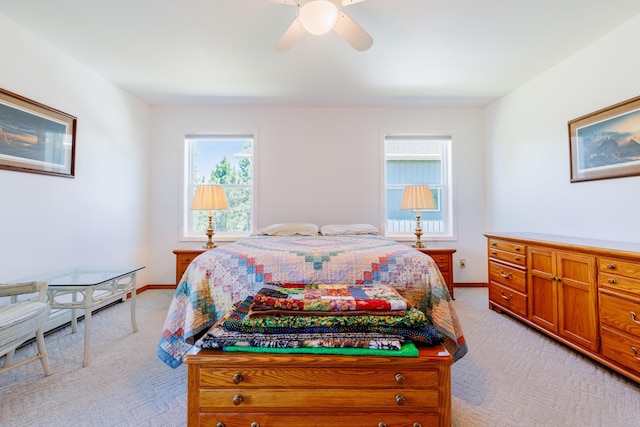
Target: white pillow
348, 229
289, 229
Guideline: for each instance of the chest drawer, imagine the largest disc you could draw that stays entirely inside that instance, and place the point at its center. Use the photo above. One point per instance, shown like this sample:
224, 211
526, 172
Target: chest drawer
620, 313
508, 298
261, 399
310, 378
354, 419
507, 276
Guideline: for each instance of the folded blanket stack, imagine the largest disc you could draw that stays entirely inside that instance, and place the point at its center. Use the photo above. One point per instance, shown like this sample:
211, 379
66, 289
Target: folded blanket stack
291, 317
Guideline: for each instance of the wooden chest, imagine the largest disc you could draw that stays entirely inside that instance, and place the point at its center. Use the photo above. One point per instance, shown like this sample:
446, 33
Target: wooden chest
228, 389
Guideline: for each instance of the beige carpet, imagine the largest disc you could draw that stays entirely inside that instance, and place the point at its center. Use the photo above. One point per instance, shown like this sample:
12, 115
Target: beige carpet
512, 376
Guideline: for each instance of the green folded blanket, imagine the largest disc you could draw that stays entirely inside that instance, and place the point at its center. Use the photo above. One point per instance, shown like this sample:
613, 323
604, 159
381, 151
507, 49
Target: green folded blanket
407, 350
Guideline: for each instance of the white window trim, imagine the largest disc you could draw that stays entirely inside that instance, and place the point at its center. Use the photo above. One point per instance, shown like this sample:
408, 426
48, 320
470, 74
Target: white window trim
451, 202
184, 188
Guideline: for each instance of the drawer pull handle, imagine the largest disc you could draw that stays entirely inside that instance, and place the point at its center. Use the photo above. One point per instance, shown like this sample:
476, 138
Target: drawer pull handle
633, 318
611, 266
493, 244
400, 379
612, 281
237, 378
517, 258
506, 276
417, 425
635, 353
382, 424
255, 424
237, 399
219, 424
506, 298
517, 248
494, 253
400, 399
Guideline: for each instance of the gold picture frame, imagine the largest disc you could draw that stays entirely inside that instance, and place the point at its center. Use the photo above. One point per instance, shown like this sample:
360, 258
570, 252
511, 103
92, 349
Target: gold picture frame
36, 138
606, 143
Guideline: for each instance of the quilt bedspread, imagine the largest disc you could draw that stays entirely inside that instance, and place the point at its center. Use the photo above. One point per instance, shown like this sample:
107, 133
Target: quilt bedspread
220, 277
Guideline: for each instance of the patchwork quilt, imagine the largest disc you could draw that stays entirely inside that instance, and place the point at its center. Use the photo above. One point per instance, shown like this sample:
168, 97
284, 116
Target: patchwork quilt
330, 298
237, 329
220, 277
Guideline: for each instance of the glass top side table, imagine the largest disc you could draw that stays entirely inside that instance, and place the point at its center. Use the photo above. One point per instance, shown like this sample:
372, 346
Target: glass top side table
88, 287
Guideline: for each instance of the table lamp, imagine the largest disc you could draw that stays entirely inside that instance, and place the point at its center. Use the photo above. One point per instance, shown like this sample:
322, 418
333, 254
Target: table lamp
417, 197
209, 197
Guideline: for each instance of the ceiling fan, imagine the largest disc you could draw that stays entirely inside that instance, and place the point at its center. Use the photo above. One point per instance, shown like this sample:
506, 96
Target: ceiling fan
321, 16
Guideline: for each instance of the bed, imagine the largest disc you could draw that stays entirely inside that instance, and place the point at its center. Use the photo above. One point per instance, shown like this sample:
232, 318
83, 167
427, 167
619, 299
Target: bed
219, 278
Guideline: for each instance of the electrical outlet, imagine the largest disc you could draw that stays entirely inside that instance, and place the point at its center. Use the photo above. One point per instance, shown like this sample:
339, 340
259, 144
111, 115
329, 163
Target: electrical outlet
463, 263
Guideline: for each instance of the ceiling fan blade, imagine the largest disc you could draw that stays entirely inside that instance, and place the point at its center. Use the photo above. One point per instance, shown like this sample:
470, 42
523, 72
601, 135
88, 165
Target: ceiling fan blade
346, 2
352, 32
291, 36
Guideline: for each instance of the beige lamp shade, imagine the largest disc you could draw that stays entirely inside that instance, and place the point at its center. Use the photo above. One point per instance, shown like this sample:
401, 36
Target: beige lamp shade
417, 197
209, 197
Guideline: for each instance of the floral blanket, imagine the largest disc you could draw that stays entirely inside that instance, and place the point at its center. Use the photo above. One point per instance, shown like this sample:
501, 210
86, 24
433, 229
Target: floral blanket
220, 277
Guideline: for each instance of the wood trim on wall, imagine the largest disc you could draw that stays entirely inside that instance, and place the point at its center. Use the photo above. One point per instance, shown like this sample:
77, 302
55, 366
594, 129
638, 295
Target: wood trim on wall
470, 285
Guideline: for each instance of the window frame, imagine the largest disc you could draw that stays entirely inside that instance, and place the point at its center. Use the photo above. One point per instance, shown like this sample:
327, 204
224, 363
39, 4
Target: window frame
186, 233
446, 187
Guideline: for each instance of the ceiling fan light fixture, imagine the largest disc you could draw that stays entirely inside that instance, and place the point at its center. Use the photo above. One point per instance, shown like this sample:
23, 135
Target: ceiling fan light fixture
318, 16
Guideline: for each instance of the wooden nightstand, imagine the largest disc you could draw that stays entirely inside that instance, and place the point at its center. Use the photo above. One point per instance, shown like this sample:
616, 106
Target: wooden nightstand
444, 259
184, 258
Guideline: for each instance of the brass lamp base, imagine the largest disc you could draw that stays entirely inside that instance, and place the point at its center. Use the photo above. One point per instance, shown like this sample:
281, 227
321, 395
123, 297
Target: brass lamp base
210, 233
418, 244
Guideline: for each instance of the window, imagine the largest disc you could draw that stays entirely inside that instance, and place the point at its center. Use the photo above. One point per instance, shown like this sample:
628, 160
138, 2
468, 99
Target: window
226, 160
418, 159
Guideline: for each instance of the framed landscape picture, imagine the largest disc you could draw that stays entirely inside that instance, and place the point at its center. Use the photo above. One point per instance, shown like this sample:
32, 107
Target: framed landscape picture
36, 138
606, 143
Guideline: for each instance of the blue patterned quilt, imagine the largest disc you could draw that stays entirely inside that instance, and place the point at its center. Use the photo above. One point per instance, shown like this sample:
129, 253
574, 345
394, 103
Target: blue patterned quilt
220, 277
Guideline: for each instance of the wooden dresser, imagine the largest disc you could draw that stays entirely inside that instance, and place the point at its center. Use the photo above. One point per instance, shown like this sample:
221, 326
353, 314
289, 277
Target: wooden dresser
444, 260
184, 258
232, 389
584, 293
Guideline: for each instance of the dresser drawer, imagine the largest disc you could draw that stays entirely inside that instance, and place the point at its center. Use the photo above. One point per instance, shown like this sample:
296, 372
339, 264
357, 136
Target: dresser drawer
290, 399
354, 419
506, 246
620, 283
508, 298
512, 257
238, 378
621, 348
618, 267
620, 313
507, 276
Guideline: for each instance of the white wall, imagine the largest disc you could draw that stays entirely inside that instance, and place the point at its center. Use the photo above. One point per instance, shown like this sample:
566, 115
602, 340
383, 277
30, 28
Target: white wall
528, 186
320, 165
98, 218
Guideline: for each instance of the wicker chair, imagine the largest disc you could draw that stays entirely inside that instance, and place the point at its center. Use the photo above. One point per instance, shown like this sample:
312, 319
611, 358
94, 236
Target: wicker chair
20, 320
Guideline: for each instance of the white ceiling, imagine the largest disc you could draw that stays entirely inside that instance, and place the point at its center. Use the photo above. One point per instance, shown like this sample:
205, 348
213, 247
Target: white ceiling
425, 52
